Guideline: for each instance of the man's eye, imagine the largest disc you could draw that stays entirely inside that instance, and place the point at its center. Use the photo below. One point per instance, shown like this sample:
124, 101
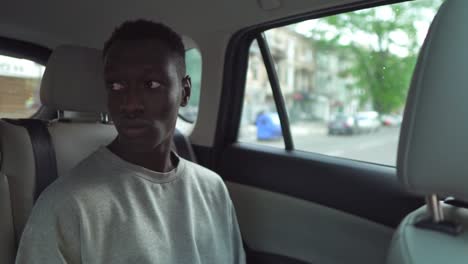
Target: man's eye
153, 84
115, 86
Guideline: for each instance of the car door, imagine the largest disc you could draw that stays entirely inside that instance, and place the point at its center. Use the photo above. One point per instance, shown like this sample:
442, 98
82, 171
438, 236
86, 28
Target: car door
311, 197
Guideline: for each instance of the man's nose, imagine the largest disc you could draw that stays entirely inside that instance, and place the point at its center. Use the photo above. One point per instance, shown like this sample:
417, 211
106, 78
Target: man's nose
133, 102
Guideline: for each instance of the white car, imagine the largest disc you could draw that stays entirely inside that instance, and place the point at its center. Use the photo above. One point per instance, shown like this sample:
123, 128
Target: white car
367, 122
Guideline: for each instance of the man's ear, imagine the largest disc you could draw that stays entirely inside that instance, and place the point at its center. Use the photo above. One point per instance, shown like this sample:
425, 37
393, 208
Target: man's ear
186, 90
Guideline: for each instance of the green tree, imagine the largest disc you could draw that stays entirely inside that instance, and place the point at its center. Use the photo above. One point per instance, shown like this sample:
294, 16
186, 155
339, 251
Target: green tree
370, 39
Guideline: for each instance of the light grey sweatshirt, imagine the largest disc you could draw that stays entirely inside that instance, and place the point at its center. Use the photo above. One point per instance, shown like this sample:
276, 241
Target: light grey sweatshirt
109, 211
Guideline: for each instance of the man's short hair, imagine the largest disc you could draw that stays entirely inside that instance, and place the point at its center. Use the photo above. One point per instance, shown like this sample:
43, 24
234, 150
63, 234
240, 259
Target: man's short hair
147, 30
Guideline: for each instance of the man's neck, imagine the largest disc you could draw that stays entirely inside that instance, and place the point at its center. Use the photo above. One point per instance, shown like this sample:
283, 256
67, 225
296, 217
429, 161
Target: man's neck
158, 159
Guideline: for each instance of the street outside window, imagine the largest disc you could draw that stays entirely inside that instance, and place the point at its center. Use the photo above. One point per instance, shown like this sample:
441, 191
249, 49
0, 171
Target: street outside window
344, 80
20, 80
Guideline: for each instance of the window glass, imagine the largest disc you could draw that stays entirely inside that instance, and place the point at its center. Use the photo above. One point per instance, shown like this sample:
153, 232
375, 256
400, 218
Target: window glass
260, 120
19, 87
193, 62
344, 79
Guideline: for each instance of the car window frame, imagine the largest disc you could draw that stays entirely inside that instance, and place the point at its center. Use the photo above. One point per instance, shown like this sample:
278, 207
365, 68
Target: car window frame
236, 66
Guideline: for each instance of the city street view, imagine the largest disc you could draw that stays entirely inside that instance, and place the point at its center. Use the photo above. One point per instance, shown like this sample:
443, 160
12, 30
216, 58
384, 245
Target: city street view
343, 80
378, 147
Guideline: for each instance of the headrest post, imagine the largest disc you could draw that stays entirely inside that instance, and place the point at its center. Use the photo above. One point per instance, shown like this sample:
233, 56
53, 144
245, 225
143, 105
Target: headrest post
104, 118
434, 208
60, 114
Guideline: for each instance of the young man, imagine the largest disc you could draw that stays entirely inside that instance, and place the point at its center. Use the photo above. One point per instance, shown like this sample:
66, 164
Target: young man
135, 201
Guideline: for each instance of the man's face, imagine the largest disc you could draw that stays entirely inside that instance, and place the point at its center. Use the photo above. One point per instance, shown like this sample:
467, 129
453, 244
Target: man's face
145, 90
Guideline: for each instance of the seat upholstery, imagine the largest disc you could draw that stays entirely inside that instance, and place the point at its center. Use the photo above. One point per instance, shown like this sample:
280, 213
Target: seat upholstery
72, 82
433, 150
436, 109
18, 168
7, 243
411, 244
88, 136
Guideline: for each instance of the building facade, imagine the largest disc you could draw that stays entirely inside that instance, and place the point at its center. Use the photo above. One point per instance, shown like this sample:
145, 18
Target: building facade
312, 81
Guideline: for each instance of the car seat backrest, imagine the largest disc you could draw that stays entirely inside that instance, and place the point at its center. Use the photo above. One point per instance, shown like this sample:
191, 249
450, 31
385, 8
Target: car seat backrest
433, 149
7, 244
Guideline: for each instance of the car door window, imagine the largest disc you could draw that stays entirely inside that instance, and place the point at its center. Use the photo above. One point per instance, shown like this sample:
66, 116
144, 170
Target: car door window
260, 121
344, 80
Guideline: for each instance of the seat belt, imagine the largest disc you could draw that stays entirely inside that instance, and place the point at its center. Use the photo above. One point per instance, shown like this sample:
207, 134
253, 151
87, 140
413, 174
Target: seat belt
43, 150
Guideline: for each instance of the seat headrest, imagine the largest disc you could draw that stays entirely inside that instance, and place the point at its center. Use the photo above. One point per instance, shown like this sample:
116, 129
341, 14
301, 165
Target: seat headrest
73, 80
433, 149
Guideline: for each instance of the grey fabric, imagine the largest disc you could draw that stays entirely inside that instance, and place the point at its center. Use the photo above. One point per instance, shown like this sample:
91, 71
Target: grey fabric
7, 234
18, 166
75, 141
72, 143
433, 148
73, 80
107, 210
412, 245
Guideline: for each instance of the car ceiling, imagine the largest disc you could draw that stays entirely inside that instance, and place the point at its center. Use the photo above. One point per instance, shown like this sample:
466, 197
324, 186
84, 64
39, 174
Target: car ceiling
89, 23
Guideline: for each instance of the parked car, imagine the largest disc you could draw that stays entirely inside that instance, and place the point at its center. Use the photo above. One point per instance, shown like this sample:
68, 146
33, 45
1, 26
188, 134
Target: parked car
342, 124
391, 120
367, 122
268, 126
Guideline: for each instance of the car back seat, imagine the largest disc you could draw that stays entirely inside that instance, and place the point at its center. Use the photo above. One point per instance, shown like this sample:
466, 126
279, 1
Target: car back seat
7, 245
72, 84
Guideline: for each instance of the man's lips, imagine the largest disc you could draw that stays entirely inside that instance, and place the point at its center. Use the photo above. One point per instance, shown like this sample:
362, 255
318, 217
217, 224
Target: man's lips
134, 128
134, 131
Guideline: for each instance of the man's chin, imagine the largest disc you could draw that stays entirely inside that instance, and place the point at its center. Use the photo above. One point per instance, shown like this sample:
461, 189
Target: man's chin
136, 145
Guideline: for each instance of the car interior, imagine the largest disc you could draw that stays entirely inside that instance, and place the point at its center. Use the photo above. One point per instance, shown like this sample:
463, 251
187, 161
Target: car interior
295, 204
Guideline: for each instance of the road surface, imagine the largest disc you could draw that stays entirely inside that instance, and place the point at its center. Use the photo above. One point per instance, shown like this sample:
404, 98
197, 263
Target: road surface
377, 147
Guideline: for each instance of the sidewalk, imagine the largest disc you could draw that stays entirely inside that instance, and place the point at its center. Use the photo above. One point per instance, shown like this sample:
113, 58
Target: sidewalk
309, 128
248, 133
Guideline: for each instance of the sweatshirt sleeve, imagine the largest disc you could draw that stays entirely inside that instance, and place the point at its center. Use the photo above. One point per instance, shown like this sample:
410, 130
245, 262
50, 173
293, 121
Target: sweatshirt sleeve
237, 244
52, 234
